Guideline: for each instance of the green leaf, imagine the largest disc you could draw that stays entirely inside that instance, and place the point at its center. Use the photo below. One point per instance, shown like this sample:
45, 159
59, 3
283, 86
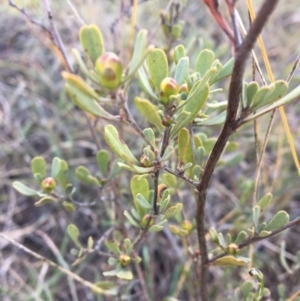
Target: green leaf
255, 216
139, 186
280, 219
103, 159
125, 274
23, 189
150, 135
214, 235
127, 246
61, 177
183, 143
168, 152
195, 101
131, 220
241, 237
136, 169
139, 52
112, 261
231, 261
74, 233
83, 68
149, 111
108, 286
222, 242
181, 120
69, 206
155, 228
260, 95
84, 96
114, 170
83, 174
91, 40
165, 201
179, 52
204, 61
219, 119
158, 67
252, 89
181, 70
135, 214
38, 165
173, 211
143, 202
275, 92
44, 201
117, 145
111, 273
145, 85
246, 288
55, 168
226, 71
265, 201
90, 243
112, 246
282, 101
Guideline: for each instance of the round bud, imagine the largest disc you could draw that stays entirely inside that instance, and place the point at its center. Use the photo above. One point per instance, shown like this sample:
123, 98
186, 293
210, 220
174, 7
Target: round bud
145, 161
110, 70
232, 249
187, 226
48, 185
168, 87
145, 220
124, 260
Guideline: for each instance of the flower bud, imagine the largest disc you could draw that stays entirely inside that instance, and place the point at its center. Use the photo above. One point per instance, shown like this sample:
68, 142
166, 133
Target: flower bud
167, 120
184, 88
48, 185
145, 220
187, 226
168, 87
232, 249
110, 70
124, 260
145, 161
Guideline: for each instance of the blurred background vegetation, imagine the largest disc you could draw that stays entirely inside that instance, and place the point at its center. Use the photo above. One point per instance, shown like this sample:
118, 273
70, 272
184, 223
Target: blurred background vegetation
38, 119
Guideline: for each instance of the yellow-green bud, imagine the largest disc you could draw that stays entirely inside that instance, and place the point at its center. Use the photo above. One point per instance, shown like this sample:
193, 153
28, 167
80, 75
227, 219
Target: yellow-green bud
168, 87
124, 260
232, 249
110, 70
167, 120
145, 161
184, 88
48, 185
145, 220
187, 226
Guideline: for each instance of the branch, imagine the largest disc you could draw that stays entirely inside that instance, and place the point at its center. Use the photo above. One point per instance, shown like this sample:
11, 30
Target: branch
180, 175
235, 88
255, 239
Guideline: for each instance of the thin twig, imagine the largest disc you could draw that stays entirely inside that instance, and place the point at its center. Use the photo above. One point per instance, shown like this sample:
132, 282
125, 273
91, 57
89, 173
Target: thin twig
57, 36
86, 283
228, 128
180, 175
255, 239
80, 20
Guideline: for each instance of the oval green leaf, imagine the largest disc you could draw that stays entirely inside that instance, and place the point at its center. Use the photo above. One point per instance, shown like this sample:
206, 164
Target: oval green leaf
158, 67
91, 40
